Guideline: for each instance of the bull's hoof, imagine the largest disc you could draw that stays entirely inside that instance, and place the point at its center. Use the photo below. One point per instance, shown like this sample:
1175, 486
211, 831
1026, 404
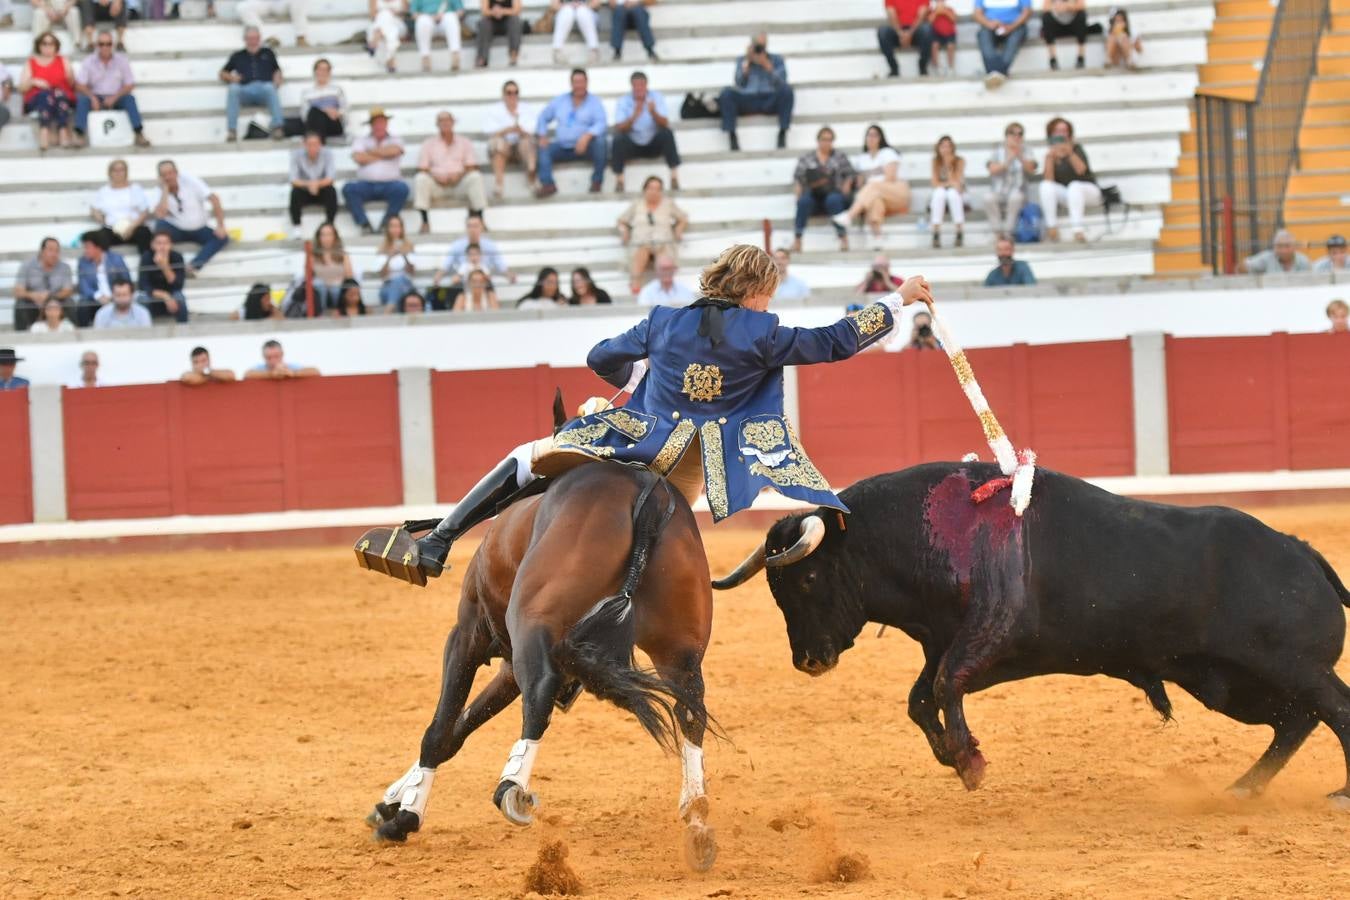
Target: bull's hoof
516, 803
1340, 799
1242, 792
971, 770
397, 829
383, 812
700, 846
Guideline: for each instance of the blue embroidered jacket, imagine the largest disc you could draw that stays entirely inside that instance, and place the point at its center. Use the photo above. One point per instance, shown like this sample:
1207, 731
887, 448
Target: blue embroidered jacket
730, 395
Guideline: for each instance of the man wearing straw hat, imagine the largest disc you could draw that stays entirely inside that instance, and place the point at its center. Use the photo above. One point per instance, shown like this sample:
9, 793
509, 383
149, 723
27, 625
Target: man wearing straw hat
378, 177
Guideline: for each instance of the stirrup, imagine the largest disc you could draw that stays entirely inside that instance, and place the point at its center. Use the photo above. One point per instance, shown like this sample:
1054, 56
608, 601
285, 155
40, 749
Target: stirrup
391, 551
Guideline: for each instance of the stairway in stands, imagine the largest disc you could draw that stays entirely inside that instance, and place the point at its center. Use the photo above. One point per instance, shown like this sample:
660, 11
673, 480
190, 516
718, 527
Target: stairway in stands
1317, 203
1237, 48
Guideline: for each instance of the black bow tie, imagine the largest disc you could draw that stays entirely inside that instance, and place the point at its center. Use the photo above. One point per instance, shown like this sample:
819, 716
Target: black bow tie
710, 324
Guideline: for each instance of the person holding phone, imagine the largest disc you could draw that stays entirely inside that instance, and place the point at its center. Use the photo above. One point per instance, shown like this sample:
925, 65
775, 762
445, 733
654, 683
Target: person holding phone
1003, 28
1068, 181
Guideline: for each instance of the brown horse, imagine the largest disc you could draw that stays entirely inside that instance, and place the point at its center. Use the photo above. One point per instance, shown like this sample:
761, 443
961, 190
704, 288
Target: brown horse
531, 596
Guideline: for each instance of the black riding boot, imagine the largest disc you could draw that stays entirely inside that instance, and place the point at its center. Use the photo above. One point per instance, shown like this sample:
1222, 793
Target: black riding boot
479, 505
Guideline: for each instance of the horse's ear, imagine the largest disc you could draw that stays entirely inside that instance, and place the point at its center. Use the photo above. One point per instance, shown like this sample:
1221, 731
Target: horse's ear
559, 411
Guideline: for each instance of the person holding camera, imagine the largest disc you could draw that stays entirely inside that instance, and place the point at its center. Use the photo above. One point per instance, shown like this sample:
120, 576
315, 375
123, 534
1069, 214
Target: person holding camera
1068, 180
879, 279
761, 87
822, 181
1003, 28
921, 335
1009, 165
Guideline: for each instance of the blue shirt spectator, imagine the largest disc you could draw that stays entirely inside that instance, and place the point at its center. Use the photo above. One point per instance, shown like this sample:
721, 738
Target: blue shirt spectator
581, 127
98, 269
8, 380
790, 287
756, 79
573, 120
1009, 271
1005, 12
644, 126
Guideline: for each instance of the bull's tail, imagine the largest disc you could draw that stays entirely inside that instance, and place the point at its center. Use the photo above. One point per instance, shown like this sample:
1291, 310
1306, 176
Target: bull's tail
1329, 572
598, 651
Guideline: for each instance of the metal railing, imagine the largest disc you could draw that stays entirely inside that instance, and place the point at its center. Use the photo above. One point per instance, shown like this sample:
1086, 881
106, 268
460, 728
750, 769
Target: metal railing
1247, 147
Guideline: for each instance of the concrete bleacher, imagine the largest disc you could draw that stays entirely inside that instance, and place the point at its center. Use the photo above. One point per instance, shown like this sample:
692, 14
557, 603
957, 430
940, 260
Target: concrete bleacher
1129, 123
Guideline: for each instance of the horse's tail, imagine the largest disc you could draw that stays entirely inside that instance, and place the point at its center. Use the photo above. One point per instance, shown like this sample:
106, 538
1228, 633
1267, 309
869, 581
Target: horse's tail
598, 650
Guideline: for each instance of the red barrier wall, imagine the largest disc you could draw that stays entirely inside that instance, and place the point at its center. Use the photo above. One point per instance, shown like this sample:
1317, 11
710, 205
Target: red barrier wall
260, 446
1071, 403
16, 486
1255, 404
480, 416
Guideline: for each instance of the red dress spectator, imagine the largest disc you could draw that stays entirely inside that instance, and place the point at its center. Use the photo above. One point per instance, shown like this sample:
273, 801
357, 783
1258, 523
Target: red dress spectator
49, 90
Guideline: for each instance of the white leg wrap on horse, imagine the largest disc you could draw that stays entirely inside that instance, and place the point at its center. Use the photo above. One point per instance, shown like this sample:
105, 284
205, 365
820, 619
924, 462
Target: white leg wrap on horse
521, 762
413, 790
692, 789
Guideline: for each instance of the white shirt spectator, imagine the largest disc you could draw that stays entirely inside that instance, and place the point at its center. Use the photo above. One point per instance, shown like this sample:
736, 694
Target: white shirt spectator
108, 316
190, 209
655, 295
41, 327
499, 117
380, 169
117, 204
873, 165
79, 383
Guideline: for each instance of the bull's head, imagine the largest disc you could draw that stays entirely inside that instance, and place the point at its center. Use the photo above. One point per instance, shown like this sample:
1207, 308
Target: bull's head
804, 556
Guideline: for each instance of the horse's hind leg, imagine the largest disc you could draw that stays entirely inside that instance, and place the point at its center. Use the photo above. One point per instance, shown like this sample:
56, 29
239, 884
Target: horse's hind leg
539, 680
683, 671
403, 807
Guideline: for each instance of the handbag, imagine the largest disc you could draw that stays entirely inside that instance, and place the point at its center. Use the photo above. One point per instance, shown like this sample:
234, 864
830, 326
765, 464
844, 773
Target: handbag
697, 106
1111, 196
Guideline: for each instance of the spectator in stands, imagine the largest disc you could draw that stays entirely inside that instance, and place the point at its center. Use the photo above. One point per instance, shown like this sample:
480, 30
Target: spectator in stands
122, 209
378, 177
511, 126
642, 130
882, 192
581, 14
185, 203
251, 13
94, 11
653, 225
761, 86
323, 104
664, 290
313, 173
879, 279
202, 372
257, 305
1061, 19
163, 277
1003, 28
580, 134
942, 19
584, 290
1282, 257
431, 16
99, 268
397, 263
499, 17
1121, 44
1335, 260
1009, 271
42, 278
123, 311
386, 31
350, 302
546, 293
48, 88
632, 14
1009, 166
906, 26
455, 256
88, 377
411, 305
53, 319
1068, 180
331, 267
104, 81
8, 362
253, 78
790, 287
821, 182
921, 335
1338, 313
6, 90
446, 168
274, 365
478, 294
53, 15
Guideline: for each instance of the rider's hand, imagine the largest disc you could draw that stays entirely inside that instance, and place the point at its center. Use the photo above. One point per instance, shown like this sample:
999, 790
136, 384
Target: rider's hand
916, 288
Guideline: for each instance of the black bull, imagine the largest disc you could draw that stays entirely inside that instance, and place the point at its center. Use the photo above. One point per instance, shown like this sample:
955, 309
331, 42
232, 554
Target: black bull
1244, 618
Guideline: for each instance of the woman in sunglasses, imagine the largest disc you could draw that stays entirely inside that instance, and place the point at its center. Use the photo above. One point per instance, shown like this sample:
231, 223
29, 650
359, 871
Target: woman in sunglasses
652, 226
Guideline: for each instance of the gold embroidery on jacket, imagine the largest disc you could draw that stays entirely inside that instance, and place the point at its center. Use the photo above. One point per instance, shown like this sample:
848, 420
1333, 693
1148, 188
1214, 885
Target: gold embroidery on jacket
626, 422
801, 472
702, 383
869, 320
583, 436
674, 448
714, 469
764, 435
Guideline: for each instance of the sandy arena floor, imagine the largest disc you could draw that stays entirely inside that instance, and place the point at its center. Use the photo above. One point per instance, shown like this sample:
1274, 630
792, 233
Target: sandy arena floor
217, 725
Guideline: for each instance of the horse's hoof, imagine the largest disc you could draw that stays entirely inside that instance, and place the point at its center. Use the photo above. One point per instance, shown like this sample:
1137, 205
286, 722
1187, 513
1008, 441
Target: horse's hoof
971, 770
516, 803
398, 828
700, 846
1340, 800
383, 812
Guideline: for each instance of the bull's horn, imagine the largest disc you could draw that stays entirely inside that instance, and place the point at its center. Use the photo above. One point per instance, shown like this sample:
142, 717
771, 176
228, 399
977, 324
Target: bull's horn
742, 573
813, 532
